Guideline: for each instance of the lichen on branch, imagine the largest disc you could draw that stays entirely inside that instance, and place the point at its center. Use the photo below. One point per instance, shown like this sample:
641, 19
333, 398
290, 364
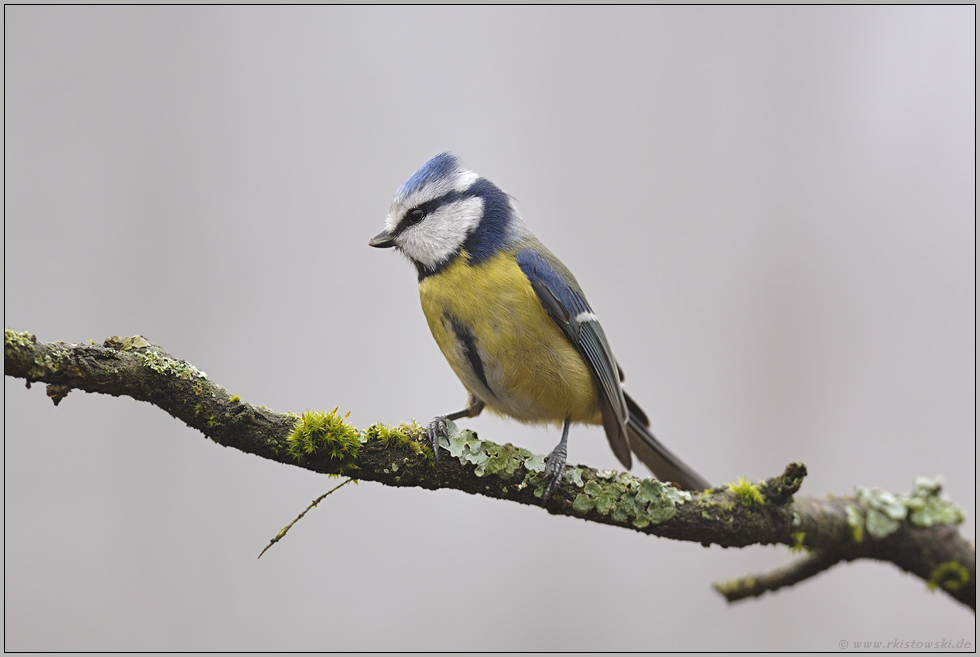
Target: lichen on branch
916, 531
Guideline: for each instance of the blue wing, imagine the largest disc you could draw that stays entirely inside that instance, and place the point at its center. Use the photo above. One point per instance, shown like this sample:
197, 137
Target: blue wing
571, 312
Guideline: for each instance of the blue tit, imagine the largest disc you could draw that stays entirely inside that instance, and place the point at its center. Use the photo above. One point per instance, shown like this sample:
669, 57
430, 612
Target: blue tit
511, 319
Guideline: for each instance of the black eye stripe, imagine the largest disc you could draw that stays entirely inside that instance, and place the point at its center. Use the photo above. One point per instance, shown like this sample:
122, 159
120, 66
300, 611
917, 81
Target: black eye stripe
411, 218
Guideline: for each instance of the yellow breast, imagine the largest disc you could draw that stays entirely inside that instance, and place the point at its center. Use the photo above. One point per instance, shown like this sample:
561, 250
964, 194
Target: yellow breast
530, 371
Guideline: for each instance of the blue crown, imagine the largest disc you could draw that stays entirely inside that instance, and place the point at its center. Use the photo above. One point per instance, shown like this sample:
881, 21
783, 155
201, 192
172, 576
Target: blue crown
440, 166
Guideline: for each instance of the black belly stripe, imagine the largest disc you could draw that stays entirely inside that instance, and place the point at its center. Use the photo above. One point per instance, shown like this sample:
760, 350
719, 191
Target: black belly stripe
465, 336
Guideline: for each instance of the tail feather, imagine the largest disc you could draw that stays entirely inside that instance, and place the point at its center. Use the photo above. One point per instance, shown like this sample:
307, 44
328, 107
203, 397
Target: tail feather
658, 458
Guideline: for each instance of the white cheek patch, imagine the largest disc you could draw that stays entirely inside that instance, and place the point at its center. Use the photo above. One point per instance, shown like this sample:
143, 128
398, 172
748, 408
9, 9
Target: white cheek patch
441, 233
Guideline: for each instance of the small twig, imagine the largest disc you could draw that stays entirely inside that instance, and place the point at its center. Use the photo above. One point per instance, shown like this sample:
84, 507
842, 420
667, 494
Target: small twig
751, 586
282, 532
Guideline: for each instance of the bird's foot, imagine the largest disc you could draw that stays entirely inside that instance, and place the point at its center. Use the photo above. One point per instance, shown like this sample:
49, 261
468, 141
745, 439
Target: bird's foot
438, 428
554, 468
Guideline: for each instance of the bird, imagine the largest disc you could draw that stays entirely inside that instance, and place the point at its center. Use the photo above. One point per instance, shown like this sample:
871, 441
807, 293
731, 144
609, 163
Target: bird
512, 321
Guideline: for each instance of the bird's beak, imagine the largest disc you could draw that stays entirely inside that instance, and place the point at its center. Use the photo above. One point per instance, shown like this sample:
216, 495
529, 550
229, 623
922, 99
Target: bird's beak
382, 240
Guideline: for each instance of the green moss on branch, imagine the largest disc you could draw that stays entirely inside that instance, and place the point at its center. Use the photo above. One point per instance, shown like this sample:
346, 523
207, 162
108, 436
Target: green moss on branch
916, 531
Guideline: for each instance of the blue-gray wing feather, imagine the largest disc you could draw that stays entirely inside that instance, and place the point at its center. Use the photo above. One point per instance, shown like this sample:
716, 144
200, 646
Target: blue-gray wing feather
626, 425
566, 305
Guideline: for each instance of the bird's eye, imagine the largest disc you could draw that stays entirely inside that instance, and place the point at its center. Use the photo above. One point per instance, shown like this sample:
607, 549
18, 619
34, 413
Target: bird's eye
414, 216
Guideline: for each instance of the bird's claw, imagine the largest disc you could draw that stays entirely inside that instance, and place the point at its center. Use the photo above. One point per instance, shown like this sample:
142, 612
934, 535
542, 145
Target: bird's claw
554, 468
437, 429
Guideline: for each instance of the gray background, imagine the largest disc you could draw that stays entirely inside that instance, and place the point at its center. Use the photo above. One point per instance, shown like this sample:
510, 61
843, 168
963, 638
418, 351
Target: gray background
772, 210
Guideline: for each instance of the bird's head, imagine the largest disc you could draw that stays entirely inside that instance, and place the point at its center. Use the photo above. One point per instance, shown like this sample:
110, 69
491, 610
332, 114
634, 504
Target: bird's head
444, 209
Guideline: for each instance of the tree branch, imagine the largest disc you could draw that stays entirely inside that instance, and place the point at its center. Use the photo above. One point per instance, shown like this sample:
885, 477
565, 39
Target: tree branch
917, 532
